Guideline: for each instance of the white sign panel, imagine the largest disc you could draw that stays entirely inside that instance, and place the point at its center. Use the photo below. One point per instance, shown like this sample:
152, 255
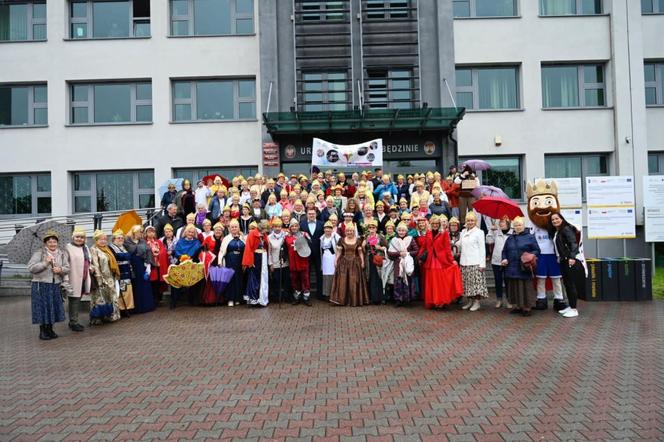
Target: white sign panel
653, 191
654, 224
610, 191
569, 192
326, 154
574, 217
611, 223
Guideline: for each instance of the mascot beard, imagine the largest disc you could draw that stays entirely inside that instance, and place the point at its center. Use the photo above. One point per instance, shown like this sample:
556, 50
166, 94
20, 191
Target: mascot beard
542, 203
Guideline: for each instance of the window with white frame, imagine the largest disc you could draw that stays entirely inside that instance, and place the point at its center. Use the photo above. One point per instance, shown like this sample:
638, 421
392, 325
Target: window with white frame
25, 194
654, 82
506, 173
214, 99
387, 9
573, 85
570, 7
23, 105
113, 190
110, 103
485, 8
652, 6
487, 87
90, 19
576, 166
211, 17
22, 20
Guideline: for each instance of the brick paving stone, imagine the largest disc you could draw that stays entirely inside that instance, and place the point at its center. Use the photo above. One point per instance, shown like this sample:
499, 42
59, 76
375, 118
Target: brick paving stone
239, 374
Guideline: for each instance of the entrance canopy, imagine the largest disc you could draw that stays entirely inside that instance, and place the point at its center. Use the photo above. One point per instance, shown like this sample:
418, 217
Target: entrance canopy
370, 120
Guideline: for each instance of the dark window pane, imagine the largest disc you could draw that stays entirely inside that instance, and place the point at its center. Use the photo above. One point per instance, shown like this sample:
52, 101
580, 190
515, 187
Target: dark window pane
80, 92
560, 86
212, 17
593, 74
6, 194
141, 8
244, 26
495, 8
562, 166
110, 19
41, 115
651, 96
112, 103
39, 32
144, 91
461, 8
82, 204
653, 163
464, 77
13, 22
180, 27
247, 110
180, 7
44, 204
82, 181
39, 11
13, 106
247, 88
182, 89
144, 113
595, 165
591, 7
558, 7
114, 191
79, 10
44, 183
23, 194
80, 115
146, 180
594, 97
505, 173
182, 112
464, 99
146, 201
646, 6
40, 94
214, 100
649, 71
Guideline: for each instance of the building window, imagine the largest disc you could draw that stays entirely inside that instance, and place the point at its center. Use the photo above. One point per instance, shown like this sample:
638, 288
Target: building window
573, 86
390, 88
656, 163
570, 7
25, 194
576, 166
116, 190
505, 173
654, 78
212, 17
22, 21
196, 174
652, 6
108, 103
109, 19
214, 100
23, 105
387, 9
323, 91
488, 87
485, 8
321, 10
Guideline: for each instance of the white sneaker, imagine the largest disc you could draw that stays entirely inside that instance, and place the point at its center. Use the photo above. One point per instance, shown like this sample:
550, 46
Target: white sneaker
499, 303
565, 310
231, 303
572, 313
467, 306
508, 305
476, 306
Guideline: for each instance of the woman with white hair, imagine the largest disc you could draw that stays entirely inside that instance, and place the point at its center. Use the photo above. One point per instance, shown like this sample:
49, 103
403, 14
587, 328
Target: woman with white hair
473, 263
80, 283
141, 260
230, 256
519, 279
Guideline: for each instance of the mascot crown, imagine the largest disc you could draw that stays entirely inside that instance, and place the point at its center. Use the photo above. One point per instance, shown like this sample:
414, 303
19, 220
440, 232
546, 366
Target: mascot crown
541, 187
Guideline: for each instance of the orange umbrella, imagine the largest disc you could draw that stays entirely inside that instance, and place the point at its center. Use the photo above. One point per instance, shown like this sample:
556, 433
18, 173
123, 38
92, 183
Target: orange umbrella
127, 220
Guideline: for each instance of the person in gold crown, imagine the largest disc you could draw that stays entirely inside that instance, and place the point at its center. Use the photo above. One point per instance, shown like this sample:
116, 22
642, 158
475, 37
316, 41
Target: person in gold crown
542, 203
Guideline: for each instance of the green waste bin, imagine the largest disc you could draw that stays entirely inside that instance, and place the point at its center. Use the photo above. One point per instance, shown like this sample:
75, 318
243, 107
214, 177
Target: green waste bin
643, 279
594, 280
610, 285
626, 281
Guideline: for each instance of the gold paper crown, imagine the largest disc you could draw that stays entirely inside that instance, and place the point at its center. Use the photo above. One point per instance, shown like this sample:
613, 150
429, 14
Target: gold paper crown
541, 187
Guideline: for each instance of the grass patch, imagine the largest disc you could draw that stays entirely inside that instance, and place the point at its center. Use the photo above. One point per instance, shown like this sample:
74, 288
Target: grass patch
658, 283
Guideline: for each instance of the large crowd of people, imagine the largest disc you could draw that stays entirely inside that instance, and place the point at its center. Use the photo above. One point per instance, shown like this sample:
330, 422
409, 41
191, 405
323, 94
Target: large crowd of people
350, 240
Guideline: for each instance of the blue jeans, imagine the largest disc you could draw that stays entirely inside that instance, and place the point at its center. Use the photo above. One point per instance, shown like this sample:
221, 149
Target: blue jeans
498, 276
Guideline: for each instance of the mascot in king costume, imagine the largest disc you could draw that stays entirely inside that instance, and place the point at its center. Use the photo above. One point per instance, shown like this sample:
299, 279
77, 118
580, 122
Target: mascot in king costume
542, 203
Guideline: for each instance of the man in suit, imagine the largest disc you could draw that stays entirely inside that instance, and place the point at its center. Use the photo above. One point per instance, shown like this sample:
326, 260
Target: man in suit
269, 190
314, 228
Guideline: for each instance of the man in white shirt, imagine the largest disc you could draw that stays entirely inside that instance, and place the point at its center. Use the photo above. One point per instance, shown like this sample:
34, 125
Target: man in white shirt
202, 193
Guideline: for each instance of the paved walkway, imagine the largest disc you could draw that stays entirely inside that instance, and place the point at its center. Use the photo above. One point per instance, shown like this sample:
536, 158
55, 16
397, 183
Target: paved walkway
372, 373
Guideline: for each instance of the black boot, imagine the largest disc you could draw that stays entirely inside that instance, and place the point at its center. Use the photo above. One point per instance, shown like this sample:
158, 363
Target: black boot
50, 332
559, 305
74, 326
42, 333
541, 304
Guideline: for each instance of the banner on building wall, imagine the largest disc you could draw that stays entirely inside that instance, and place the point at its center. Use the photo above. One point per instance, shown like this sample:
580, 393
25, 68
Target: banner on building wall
326, 154
611, 211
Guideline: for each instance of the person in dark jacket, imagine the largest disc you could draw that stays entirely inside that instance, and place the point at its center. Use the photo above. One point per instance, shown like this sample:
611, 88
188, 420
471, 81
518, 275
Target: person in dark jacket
171, 217
403, 188
519, 280
571, 259
217, 204
314, 228
439, 207
169, 197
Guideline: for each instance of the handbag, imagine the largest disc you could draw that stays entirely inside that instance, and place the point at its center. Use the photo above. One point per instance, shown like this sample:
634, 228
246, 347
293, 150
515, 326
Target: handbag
377, 260
125, 296
529, 261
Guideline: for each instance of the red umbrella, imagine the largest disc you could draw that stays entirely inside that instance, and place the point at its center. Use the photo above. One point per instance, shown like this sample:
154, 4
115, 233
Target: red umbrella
225, 181
496, 207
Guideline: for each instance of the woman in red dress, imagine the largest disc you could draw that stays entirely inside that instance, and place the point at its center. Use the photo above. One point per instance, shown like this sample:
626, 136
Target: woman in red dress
160, 266
443, 278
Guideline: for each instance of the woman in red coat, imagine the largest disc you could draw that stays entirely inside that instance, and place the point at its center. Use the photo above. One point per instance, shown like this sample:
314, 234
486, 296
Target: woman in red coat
160, 266
255, 263
443, 278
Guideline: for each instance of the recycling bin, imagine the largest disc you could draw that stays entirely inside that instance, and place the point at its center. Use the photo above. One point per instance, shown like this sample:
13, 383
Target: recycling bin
593, 281
626, 281
610, 285
643, 279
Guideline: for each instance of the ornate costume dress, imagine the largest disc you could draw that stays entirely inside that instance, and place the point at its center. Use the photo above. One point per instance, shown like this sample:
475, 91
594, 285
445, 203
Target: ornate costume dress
443, 277
231, 252
349, 286
255, 259
328, 250
404, 288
